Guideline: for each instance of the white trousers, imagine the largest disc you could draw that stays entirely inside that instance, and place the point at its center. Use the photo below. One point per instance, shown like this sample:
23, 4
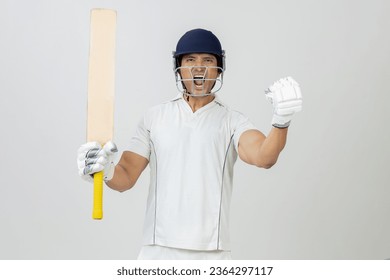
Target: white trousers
155, 252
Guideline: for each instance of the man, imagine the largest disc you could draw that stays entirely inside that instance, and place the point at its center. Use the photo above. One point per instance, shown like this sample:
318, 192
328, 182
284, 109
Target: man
191, 144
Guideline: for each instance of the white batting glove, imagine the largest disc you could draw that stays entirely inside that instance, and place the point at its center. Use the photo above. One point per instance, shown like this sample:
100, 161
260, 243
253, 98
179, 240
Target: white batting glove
92, 158
286, 97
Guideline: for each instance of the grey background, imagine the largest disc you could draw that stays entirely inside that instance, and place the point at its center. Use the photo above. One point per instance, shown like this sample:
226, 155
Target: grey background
327, 197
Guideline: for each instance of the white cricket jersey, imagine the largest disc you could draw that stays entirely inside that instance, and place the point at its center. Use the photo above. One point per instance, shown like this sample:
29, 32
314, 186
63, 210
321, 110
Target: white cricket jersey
191, 157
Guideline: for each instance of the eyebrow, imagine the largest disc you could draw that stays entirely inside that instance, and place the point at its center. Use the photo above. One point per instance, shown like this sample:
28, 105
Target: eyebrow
205, 57
208, 57
188, 56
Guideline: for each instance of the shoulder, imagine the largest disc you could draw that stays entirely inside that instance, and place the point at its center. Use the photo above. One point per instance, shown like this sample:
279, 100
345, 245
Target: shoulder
167, 105
157, 112
238, 121
233, 114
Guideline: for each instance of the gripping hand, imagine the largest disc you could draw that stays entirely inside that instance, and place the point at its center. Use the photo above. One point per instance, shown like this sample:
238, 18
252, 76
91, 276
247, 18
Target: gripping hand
92, 158
286, 98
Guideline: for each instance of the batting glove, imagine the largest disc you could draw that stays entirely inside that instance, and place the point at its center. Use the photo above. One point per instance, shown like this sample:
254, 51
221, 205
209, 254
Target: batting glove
286, 98
93, 158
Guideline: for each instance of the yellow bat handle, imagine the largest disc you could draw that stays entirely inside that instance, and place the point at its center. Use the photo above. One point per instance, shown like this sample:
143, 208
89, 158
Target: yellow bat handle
97, 213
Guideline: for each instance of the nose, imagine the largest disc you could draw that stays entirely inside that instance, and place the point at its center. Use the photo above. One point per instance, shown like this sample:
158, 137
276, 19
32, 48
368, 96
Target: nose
198, 66
198, 63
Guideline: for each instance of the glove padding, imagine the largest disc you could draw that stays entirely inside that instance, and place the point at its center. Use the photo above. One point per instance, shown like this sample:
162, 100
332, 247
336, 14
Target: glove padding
286, 97
93, 158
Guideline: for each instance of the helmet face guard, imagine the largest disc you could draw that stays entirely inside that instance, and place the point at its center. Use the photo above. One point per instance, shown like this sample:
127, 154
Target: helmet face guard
198, 41
180, 82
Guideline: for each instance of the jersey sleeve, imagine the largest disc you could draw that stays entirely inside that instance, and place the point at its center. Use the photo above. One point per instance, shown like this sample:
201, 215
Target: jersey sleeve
241, 124
140, 142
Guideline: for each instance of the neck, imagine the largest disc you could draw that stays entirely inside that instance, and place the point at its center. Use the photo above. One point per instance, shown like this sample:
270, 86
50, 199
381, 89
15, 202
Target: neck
198, 102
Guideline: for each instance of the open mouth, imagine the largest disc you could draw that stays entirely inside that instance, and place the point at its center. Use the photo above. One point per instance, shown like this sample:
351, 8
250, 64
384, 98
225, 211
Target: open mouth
199, 80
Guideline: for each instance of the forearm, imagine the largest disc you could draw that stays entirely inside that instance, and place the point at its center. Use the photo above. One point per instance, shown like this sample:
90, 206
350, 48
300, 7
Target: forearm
121, 181
127, 171
270, 148
263, 151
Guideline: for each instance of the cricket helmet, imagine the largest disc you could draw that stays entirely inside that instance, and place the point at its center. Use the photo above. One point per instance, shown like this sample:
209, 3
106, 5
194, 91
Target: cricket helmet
198, 41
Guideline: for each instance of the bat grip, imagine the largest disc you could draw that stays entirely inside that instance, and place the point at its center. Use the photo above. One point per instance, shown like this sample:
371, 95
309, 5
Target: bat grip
97, 212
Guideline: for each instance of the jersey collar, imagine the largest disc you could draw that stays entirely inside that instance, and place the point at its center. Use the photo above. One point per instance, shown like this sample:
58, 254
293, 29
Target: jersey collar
216, 99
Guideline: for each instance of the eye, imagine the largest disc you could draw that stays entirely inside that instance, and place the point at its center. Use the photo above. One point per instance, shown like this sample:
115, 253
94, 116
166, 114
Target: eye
209, 60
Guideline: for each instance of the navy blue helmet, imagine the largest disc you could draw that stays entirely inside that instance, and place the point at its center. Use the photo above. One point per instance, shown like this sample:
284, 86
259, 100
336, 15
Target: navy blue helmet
199, 41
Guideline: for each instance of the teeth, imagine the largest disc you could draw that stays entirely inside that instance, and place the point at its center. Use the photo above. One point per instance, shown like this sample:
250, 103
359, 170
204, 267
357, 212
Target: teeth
198, 80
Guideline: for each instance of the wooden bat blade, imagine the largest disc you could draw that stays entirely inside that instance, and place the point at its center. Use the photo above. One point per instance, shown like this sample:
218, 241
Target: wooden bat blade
101, 89
101, 78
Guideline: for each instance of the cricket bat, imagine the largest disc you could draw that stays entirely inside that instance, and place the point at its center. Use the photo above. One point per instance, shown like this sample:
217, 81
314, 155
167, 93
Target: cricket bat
101, 87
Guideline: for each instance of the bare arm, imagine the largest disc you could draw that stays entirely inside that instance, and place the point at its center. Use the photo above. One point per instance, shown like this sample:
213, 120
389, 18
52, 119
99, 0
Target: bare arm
256, 149
127, 171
